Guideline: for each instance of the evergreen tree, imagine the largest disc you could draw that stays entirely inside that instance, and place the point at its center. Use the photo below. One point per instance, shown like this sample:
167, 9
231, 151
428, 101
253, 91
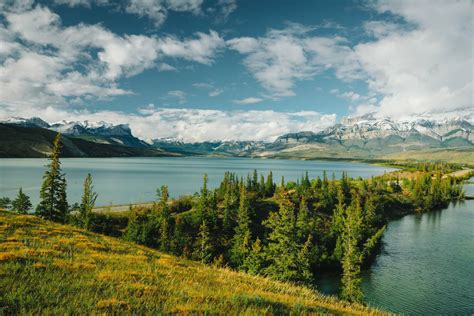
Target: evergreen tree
205, 248
242, 238
303, 224
261, 186
283, 247
254, 186
142, 227
337, 226
164, 218
5, 203
53, 204
21, 204
87, 203
304, 261
255, 261
352, 256
203, 206
269, 185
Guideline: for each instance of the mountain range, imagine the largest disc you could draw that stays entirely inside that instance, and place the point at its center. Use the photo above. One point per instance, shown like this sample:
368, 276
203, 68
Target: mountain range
363, 137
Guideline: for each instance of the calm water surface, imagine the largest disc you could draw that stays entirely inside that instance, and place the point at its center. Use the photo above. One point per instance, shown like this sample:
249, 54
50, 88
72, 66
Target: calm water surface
426, 266
132, 180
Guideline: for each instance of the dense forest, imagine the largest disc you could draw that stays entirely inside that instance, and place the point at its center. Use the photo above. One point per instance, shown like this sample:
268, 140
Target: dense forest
289, 231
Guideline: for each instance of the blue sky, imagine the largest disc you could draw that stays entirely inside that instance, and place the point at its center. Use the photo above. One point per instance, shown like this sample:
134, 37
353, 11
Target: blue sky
229, 69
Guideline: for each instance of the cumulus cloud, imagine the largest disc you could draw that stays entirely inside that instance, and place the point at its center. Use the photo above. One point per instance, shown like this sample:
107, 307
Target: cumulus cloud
418, 59
155, 10
250, 100
178, 95
45, 63
197, 125
212, 90
426, 68
226, 7
283, 57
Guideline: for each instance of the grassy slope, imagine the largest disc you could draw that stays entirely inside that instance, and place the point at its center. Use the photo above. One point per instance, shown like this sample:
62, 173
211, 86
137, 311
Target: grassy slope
314, 151
58, 269
454, 155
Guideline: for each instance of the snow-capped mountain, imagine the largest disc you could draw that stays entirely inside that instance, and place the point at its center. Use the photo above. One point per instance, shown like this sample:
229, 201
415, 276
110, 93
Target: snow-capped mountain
99, 132
367, 128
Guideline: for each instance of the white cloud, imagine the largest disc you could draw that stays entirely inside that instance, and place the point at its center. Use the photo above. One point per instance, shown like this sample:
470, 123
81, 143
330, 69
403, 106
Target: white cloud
283, 57
197, 125
201, 49
215, 92
425, 68
226, 7
250, 100
166, 67
179, 95
157, 10
45, 63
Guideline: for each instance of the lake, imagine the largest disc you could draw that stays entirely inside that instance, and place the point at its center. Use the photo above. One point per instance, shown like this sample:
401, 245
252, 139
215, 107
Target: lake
134, 180
426, 265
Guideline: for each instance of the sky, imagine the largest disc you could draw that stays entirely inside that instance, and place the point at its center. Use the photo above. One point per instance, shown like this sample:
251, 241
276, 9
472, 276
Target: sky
201, 70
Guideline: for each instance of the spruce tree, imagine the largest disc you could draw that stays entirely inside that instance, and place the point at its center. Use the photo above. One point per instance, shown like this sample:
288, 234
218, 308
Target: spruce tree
164, 218
242, 238
5, 203
87, 203
283, 247
303, 224
304, 261
255, 261
21, 204
205, 248
269, 185
53, 204
352, 256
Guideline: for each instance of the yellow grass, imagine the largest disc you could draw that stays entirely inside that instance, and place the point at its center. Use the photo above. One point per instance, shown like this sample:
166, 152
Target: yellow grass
47, 268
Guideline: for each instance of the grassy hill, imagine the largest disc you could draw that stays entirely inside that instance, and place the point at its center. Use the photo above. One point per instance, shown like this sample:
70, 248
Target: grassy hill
47, 268
462, 154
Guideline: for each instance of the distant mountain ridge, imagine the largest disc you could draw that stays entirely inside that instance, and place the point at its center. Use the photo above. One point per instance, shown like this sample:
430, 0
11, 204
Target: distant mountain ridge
100, 132
364, 137
367, 128
20, 141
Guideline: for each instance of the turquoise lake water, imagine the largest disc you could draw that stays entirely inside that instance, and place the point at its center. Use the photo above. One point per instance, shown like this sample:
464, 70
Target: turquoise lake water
133, 180
426, 265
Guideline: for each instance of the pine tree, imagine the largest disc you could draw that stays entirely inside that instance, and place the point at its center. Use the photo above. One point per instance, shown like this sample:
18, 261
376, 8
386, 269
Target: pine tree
53, 205
5, 203
337, 226
21, 204
242, 238
304, 261
255, 261
87, 203
254, 186
203, 206
303, 224
164, 218
352, 256
283, 247
227, 220
205, 248
269, 185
